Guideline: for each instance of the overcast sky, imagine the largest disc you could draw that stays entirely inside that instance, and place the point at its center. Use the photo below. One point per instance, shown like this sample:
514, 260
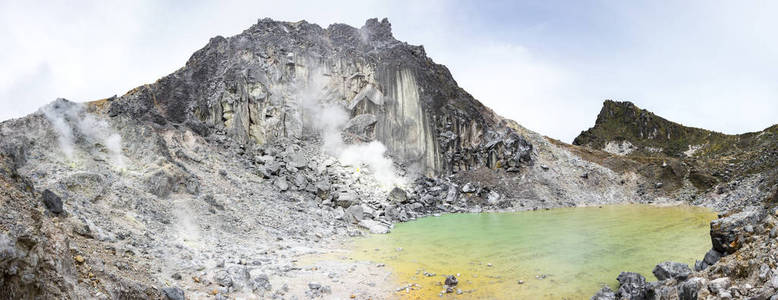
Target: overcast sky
546, 64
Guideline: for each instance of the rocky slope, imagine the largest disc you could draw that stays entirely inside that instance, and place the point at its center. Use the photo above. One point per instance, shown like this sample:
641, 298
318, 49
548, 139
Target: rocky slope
686, 161
734, 174
276, 143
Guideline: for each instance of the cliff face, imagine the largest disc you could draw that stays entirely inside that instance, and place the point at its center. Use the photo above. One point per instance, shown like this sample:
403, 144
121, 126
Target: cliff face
255, 86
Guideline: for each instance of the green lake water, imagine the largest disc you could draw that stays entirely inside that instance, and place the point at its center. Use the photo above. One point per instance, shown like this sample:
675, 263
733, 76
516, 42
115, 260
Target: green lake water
578, 249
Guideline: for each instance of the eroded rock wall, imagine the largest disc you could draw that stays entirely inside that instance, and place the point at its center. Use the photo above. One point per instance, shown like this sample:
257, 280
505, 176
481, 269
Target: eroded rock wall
254, 87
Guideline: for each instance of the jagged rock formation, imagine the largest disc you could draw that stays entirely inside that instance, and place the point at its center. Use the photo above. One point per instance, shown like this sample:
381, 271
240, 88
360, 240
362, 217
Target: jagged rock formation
249, 86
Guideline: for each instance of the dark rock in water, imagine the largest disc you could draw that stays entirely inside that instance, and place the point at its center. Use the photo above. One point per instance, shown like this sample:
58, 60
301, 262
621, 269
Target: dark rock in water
604, 294
451, 280
631, 286
52, 202
727, 233
672, 270
360, 129
397, 196
174, 293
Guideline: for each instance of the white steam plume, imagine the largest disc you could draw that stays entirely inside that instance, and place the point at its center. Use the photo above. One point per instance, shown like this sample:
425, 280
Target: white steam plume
328, 117
70, 120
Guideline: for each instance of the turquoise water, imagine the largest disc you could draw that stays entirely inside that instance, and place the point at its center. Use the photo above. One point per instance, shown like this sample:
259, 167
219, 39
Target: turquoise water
578, 249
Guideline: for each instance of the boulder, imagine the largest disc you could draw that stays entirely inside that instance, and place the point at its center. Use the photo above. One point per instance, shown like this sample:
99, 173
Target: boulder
711, 258
259, 281
354, 214
360, 129
347, 199
604, 294
469, 188
52, 202
451, 281
631, 285
689, 289
672, 270
173, 293
323, 189
727, 233
397, 196
720, 285
395, 213
223, 278
374, 226
281, 184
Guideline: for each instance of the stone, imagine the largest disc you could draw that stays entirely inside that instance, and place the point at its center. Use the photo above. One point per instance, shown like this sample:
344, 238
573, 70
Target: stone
323, 189
300, 181
360, 129
726, 233
717, 286
354, 214
173, 293
672, 270
469, 188
711, 258
689, 289
397, 196
451, 280
631, 285
281, 184
52, 202
223, 278
493, 198
604, 294
374, 226
347, 199
394, 213
259, 281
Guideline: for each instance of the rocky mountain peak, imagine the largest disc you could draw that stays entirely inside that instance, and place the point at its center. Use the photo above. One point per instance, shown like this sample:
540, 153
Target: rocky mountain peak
259, 85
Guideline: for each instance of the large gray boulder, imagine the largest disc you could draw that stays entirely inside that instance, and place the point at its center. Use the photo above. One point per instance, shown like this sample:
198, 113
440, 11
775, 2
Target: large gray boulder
354, 214
397, 196
727, 233
374, 226
360, 129
173, 293
689, 289
672, 270
604, 294
347, 199
631, 286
